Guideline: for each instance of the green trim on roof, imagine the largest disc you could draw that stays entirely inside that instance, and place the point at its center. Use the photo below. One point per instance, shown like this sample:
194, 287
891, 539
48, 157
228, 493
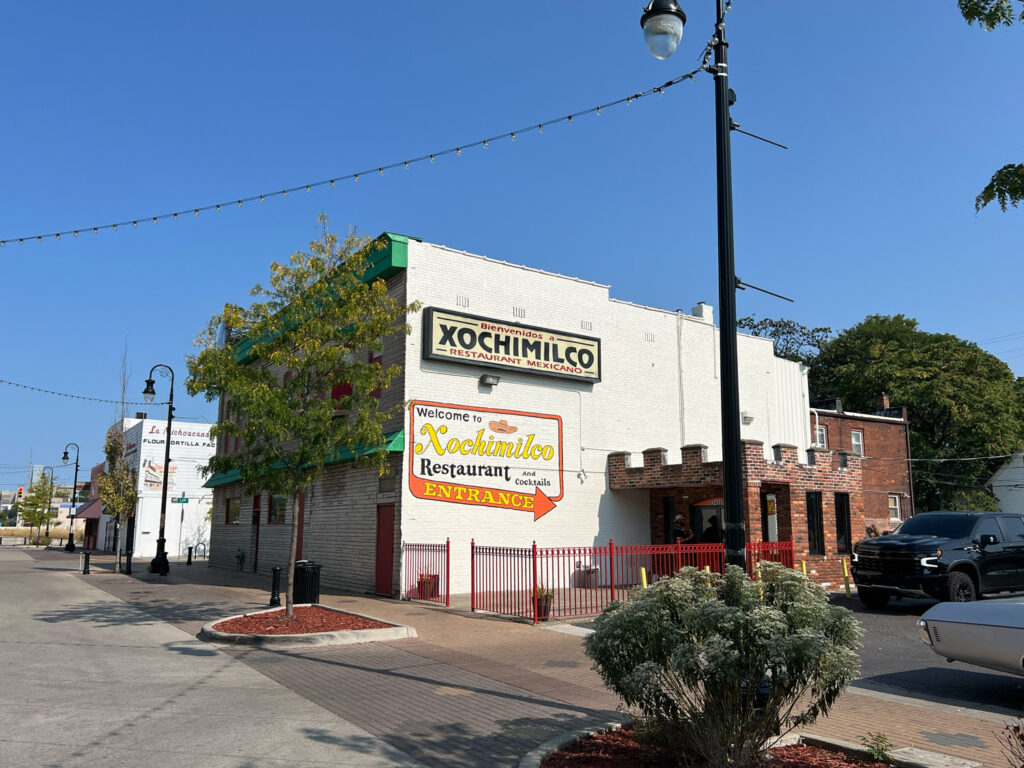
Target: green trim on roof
394, 442
384, 262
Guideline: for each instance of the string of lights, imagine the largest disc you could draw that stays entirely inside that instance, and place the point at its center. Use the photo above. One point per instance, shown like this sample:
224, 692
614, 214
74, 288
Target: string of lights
357, 175
73, 397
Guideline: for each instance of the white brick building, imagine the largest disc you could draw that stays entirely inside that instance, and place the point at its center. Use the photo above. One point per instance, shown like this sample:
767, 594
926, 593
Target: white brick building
632, 377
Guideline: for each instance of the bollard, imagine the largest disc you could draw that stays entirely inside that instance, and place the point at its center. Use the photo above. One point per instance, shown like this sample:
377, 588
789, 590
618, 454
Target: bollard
803, 565
128, 562
275, 585
85, 562
846, 576
643, 578
189, 561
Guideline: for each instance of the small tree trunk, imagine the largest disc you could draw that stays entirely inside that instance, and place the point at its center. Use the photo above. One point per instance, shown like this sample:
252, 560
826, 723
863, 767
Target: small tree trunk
117, 549
289, 589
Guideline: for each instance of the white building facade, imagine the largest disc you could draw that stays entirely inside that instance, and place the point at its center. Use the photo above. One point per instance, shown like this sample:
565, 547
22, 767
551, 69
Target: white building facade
187, 521
523, 459
1007, 484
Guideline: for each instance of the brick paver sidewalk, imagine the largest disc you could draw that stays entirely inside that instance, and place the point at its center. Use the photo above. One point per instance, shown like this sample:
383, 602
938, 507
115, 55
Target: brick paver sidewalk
481, 691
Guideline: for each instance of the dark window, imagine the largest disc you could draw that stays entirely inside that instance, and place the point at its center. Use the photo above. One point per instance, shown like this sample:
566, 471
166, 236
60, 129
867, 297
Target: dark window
378, 360
275, 513
1014, 527
815, 525
946, 526
234, 507
256, 509
990, 527
842, 523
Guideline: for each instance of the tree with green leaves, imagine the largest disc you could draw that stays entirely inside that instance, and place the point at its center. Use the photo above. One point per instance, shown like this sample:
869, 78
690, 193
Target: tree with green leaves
1007, 184
36, 506
301, 378
791, 340
118, 485
965, 404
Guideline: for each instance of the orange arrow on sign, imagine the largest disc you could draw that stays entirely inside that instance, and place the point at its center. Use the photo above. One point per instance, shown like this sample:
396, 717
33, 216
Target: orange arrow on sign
542, 504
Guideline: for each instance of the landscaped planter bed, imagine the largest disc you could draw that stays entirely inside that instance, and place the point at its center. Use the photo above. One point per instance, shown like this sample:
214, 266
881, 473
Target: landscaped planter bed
618, 749
310, 625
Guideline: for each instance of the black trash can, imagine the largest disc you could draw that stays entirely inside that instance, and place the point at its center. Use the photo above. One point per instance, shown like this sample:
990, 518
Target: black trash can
306, 587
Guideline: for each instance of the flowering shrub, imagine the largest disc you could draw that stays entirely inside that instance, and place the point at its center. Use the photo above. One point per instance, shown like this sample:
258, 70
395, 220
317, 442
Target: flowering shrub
713, 667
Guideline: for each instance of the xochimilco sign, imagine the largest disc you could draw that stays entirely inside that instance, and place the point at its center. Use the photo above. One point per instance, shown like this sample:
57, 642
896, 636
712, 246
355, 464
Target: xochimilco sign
458, 338
485, 457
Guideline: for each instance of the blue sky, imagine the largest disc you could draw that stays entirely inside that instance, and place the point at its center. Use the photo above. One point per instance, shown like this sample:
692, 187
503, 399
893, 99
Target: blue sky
895, 115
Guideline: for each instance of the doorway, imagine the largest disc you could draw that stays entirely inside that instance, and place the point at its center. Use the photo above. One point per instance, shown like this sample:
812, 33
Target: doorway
384, 580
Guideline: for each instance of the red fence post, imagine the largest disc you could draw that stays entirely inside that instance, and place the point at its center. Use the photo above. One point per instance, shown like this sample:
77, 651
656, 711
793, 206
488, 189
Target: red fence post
611, 565
535, 582
679, 553
472, 575
447, 573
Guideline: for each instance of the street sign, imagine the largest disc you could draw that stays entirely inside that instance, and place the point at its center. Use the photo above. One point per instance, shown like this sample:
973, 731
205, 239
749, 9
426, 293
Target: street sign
180, 500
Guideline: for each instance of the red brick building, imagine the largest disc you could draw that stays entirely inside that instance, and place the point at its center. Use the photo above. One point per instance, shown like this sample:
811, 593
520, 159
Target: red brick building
818, 504
882, 440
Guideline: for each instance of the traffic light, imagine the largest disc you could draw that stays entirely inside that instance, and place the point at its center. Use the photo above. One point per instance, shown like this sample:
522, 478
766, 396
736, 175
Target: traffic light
21, 493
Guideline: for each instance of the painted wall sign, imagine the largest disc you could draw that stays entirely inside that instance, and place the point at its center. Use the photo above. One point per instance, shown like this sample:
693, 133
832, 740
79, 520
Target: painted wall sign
462, 454
459, 338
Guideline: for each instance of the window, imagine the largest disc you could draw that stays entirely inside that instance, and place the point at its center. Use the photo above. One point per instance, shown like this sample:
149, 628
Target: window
857, 442
275, 512
234, 508
894, 506
815, 524
1014, 528
843, 523
821, 436
376, 359
988, 527
256, 509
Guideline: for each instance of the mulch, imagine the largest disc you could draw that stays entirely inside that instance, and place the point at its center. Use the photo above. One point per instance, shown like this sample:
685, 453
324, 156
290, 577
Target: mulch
618, 749
306, 619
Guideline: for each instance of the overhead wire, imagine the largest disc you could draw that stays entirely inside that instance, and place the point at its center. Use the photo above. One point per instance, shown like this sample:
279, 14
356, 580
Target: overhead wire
355, 176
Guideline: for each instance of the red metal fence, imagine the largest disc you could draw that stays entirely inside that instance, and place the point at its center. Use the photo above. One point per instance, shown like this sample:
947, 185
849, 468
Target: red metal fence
427, 572
541, 582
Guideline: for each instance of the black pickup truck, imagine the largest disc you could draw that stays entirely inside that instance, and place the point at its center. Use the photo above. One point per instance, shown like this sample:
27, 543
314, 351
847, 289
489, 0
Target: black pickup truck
946, 555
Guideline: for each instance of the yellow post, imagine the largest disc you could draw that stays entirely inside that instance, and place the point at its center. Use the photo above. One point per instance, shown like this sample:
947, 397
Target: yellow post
707, 569
643, 577
846, 576
803, 566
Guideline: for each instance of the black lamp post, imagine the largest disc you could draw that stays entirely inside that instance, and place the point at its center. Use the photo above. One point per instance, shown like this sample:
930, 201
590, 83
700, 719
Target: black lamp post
70, 546
49, 498
159, 563
663, 22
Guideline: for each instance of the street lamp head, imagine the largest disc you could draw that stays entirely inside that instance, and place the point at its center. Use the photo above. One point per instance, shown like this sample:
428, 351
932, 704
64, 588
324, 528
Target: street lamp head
64, 458
149, 393
663, 22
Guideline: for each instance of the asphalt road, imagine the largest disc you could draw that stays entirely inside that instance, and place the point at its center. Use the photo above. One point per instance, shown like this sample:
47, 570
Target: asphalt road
894, 660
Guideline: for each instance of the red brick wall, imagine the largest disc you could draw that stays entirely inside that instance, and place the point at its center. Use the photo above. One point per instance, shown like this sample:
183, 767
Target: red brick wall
693, 479
885, 466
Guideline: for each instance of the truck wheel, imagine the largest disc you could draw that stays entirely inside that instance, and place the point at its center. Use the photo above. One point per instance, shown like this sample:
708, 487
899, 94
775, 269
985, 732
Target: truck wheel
873, 598
960, 588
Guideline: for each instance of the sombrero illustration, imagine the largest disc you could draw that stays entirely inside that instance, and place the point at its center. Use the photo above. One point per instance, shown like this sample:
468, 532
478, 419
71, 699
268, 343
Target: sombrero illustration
502, 427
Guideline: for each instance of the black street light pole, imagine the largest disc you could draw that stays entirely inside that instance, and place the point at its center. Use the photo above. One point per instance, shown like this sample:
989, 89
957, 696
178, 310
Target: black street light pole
49, 498
70, 546
663, 23
159, 563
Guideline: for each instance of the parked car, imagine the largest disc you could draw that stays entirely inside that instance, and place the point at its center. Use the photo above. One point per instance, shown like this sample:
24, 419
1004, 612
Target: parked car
989, 633
953, 556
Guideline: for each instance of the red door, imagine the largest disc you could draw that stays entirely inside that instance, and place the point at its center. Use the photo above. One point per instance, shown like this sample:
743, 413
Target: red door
385, 549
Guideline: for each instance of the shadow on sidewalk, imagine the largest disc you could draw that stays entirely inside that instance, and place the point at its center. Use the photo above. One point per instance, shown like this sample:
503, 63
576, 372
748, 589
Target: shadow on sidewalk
108, 614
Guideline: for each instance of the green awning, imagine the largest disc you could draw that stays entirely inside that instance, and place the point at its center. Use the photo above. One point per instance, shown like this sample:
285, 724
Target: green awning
394, 442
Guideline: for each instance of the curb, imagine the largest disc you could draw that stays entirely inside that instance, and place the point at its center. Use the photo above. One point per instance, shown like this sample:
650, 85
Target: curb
904, 757
341, 637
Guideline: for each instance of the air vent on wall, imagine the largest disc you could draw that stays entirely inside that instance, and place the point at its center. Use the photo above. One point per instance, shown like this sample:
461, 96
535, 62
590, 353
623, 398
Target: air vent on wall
518, 312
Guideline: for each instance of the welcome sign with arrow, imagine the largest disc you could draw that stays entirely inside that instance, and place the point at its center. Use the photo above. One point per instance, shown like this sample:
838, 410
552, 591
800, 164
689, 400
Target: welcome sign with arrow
485, 457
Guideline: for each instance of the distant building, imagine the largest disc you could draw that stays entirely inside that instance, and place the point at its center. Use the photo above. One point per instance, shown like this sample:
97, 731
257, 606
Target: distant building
187, 521
1008, 484
882, 440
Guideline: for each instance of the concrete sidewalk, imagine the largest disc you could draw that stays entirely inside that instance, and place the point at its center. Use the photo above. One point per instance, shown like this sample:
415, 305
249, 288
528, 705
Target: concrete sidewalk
471, 690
